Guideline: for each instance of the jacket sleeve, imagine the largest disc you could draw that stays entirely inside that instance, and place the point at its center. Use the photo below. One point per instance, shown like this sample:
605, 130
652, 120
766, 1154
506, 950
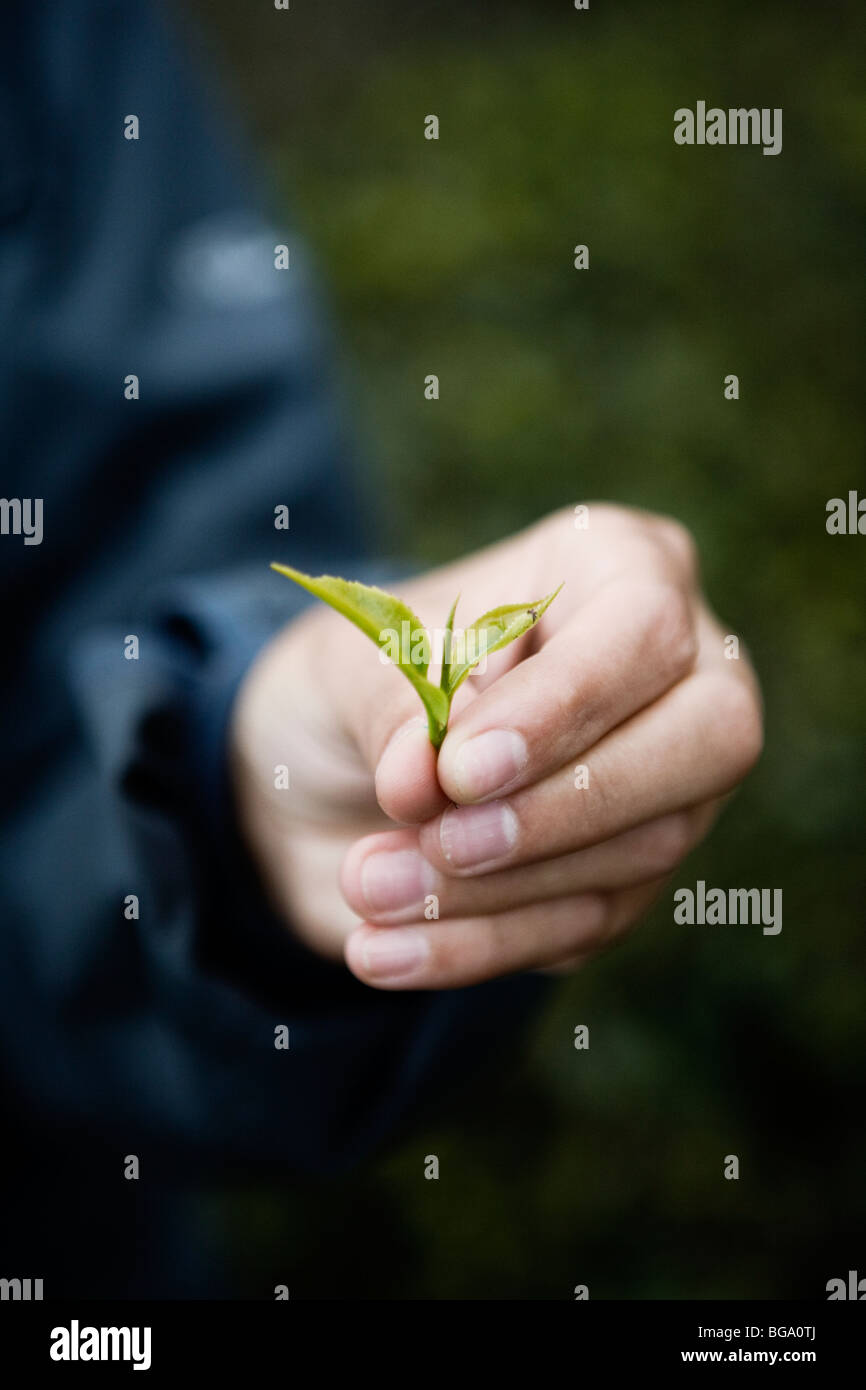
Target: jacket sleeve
143, 974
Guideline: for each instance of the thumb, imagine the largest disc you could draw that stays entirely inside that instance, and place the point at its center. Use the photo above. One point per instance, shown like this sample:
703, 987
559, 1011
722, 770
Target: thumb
407, 780
407, 787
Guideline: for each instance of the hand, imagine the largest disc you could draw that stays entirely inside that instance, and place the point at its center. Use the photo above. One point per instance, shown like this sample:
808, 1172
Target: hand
576, 773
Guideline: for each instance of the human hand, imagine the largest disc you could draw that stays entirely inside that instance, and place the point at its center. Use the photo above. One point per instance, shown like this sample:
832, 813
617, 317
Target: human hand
577, 770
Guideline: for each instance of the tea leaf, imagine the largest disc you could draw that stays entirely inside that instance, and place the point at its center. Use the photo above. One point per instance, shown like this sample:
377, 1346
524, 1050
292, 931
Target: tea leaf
396, 630
391, 625
493, 631
446, 647
438, 705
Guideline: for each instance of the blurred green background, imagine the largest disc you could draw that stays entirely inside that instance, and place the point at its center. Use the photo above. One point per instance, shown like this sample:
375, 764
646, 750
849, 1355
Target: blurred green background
557, 386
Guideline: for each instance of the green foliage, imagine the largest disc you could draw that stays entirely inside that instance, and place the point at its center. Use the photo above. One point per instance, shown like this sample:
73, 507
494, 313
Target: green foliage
490, 633
383, 618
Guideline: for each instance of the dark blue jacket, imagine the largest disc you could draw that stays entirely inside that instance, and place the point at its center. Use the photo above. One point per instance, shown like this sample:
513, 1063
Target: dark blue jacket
155, 1036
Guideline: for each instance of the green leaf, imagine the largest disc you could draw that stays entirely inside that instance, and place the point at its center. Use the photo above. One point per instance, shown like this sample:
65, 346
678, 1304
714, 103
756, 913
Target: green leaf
446, 647
396, 630
391, 625
493, 631
438, 705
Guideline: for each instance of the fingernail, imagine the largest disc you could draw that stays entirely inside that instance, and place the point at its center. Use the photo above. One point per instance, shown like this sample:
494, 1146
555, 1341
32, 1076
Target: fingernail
474, 835
488, 762
395, 879
389, 953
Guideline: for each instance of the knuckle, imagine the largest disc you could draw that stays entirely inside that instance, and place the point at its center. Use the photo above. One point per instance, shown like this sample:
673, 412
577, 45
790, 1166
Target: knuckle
668, 841
589, 931
679, 542
671, 628
446, 957
740, 723
488, 956
592, 816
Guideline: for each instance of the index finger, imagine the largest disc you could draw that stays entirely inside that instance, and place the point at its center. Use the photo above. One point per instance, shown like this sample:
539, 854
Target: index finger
628, 643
